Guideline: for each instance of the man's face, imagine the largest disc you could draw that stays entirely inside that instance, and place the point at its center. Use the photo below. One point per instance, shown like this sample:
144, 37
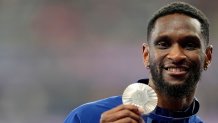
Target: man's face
176, 54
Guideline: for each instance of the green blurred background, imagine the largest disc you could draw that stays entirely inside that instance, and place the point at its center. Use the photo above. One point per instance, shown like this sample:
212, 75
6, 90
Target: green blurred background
58, 54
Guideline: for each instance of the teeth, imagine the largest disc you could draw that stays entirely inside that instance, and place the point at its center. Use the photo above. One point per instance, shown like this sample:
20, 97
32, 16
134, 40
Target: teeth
176, 69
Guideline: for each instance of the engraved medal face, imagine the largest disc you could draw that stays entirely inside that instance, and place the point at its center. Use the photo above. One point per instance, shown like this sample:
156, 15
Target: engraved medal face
140, 95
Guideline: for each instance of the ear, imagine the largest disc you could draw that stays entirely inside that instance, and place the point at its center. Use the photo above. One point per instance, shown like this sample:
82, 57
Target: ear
208, 56
145, 51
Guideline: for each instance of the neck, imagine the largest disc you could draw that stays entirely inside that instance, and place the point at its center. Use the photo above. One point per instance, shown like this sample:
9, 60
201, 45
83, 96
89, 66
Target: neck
173, 103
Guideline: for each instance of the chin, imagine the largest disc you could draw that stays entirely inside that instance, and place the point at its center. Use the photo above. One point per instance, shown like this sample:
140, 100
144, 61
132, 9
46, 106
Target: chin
175, 81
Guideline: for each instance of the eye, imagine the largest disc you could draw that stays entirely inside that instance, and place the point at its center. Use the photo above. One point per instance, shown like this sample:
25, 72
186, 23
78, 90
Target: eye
191, 45
162, 44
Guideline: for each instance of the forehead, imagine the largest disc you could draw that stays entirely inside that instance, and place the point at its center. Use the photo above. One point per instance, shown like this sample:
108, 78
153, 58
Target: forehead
176, 24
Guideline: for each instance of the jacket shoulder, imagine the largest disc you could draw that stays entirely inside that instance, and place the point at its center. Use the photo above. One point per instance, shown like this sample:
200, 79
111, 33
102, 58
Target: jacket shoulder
91, 112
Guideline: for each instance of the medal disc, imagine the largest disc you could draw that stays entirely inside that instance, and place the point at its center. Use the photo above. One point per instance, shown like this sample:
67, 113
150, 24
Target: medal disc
140, 95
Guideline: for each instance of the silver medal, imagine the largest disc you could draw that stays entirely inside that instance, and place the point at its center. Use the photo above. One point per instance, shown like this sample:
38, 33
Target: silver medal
140, 95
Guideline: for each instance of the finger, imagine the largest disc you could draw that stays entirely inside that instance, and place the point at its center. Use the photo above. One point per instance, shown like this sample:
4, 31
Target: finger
120, 115
126, 120
141, 110
123, 107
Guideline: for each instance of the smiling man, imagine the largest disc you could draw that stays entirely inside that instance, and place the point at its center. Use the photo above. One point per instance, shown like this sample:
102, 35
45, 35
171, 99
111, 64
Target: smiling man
176, 53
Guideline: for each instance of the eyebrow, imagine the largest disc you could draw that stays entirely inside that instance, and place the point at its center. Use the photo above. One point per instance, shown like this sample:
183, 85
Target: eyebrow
163, 37
191, 37
168, 38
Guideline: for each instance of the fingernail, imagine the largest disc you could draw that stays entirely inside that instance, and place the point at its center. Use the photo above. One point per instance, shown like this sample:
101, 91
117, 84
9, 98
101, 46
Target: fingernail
141, 110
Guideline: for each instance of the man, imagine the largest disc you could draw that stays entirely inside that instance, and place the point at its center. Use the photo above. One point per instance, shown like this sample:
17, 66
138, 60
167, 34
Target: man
177, 51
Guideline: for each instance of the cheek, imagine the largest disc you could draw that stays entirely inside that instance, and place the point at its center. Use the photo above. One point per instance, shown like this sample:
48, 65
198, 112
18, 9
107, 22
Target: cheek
158, 56
157, 59
196, 57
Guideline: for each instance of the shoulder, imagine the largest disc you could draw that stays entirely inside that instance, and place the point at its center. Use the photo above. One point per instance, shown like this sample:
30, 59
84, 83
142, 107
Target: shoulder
103, 104
91, 112
196, 119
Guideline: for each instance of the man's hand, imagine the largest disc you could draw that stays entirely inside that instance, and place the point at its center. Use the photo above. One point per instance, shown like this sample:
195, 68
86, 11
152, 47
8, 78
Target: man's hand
122, 114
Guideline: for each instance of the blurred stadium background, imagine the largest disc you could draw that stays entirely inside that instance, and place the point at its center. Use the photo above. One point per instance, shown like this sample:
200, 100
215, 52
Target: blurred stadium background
58, 54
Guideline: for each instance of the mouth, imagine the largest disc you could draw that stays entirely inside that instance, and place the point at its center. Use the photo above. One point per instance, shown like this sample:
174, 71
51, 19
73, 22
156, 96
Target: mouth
176, 70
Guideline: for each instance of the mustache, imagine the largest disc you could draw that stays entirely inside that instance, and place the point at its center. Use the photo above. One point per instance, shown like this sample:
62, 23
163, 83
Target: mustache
187, 64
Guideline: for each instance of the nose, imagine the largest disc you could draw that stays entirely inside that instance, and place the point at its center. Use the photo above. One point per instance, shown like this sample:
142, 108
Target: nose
176, 53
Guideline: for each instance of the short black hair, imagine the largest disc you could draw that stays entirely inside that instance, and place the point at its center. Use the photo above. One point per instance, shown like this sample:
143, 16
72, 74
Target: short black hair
181, 8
